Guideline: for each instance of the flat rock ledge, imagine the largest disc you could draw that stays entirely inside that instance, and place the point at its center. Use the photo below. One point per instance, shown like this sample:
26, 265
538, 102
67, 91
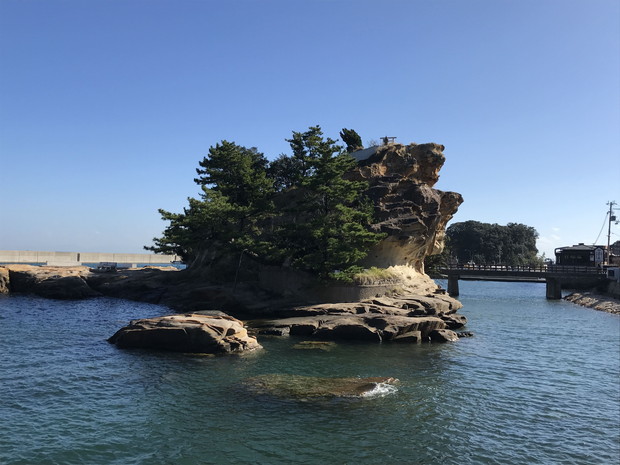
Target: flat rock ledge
190, 333
412, 319
66, 283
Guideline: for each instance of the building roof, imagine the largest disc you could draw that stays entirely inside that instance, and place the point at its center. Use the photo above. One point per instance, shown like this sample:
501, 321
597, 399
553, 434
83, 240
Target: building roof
364, 154
579, 247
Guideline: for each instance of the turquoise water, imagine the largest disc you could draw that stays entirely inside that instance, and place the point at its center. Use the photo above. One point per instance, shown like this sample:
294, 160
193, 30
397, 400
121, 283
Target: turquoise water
539, 383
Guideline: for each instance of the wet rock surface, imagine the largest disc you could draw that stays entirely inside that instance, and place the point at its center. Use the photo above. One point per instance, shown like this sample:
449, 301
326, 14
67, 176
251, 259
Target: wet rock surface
297, 387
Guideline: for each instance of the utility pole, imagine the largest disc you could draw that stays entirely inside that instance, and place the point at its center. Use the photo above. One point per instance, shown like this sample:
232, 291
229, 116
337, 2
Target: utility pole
612, 217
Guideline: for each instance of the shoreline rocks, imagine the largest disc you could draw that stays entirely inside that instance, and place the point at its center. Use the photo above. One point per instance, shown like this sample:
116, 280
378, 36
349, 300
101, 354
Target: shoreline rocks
408, 318
595, 301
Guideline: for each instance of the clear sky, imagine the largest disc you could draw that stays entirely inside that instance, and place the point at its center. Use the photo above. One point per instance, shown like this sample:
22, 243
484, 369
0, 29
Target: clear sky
107, 106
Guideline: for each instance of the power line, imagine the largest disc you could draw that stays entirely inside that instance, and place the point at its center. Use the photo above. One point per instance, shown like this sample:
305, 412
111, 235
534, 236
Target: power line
602, 227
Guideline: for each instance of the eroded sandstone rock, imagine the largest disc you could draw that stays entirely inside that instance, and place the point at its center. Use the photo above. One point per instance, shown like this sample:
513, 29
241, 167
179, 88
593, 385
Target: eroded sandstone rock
384, 319
194, 333
407, 207
4, 280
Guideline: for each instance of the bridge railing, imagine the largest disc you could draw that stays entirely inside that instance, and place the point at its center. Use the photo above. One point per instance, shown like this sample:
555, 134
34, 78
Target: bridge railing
559, 269
576, 269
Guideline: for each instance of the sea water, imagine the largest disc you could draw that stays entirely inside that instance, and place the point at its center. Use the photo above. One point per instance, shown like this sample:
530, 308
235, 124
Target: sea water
539, 383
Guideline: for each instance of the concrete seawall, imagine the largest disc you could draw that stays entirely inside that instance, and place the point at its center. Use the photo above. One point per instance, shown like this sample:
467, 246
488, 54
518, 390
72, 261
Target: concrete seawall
78, 258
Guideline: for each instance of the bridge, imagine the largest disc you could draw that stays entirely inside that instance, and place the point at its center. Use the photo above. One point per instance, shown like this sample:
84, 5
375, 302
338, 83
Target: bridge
33, 257
553, 275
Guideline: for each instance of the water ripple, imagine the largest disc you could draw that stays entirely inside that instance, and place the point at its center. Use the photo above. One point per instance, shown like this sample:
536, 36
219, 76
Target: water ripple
539, 383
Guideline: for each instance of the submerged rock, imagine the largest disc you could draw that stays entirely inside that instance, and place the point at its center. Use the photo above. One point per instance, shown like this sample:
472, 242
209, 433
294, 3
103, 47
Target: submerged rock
310, 345
308, 387
192, 333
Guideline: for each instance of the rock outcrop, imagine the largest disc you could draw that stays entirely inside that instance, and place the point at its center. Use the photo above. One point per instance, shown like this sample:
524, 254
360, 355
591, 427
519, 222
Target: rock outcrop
50, 281
410, 319
192, 333
407, 207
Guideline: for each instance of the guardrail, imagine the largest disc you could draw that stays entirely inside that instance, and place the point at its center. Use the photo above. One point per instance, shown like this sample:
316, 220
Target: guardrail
555, 269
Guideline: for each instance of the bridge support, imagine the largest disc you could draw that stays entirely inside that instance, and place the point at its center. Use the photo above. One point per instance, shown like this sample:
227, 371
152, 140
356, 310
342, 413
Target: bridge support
453, 285
554, 288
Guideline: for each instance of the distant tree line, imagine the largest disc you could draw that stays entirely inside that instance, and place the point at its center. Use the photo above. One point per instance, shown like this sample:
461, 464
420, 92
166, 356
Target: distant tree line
485, 243
297, 210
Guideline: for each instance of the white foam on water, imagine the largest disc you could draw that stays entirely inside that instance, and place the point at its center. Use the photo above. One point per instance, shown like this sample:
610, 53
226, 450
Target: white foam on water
381, 390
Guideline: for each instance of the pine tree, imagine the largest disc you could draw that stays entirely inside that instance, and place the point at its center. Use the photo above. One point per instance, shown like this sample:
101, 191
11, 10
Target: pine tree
352, 139
237, 172
236, 196
331, 217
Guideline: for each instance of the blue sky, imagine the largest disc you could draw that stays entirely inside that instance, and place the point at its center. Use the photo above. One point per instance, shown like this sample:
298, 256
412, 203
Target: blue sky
106, 106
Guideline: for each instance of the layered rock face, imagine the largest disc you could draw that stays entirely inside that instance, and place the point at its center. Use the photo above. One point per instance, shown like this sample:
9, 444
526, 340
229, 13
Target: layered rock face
410, 319
408, 209
50, 281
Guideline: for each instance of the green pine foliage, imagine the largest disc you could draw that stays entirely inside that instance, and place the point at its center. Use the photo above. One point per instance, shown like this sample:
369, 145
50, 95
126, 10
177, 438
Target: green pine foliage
352, 140
208, 221
285, 172
238, 173
298, 210
337, 231
236, 196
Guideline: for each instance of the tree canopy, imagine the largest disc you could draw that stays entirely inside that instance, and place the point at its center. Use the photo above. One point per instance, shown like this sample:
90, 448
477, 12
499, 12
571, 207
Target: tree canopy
484, 243
298, 209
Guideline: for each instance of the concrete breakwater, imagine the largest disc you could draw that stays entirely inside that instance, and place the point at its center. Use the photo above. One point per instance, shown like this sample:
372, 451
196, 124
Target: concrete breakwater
79, 258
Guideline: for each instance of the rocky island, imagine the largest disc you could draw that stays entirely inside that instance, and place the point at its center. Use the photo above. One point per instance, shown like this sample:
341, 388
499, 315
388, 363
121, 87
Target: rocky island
401, 303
